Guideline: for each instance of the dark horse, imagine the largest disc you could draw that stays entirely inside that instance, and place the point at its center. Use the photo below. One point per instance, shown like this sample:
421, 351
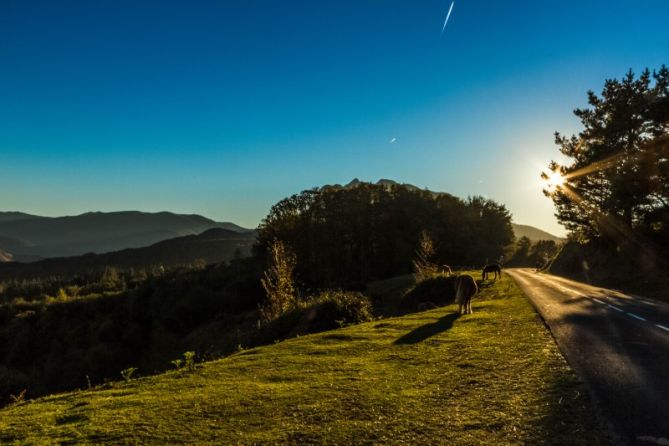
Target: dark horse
465, 288
492, 268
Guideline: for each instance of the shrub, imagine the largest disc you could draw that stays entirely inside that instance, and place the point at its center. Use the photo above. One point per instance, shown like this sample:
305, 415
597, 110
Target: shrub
278, 282
343, 308
189, 361
423, 264
177, 363
439, 290
326, 311
128, 373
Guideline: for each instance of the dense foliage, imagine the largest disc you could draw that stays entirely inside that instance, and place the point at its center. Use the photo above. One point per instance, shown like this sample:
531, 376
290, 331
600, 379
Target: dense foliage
617, 183
537, 254
438, 290
346, 237
66, 342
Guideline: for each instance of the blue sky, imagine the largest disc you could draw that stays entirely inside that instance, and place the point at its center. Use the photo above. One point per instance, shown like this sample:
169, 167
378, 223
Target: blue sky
224, 107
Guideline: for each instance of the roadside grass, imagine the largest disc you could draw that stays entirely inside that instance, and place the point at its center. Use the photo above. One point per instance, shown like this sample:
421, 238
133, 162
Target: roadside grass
494, 377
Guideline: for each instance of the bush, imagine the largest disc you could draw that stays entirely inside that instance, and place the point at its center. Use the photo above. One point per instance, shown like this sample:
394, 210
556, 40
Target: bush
278, 282
339, 308
327, 311
440, 290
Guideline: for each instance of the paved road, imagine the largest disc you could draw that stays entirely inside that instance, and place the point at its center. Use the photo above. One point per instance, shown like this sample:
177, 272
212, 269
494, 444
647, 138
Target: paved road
619, 345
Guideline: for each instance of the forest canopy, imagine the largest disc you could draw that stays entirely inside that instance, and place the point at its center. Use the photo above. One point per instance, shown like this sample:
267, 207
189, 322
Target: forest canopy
344, 237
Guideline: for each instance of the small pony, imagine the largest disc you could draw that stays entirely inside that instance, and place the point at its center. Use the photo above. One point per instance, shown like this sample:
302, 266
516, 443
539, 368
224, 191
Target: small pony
465, 288
492, 268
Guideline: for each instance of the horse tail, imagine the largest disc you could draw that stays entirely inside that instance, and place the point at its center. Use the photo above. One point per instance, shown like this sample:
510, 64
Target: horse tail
458, 290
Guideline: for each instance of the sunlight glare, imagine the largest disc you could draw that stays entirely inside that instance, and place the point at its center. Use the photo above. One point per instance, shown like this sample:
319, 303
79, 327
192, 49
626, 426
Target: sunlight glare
553, 180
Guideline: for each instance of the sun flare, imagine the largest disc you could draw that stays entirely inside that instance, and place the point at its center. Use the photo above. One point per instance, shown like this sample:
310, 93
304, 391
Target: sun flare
553, 180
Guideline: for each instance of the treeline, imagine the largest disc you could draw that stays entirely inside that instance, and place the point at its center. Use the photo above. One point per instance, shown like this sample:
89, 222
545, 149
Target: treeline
87, 283
346, 237
121, 270
526, 253
63, 343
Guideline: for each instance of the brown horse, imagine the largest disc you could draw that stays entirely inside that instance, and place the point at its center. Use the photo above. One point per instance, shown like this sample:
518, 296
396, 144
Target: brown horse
465, 288
494, 268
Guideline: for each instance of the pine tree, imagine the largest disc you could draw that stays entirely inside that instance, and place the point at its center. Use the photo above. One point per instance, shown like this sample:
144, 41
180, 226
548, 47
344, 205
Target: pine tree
616, 182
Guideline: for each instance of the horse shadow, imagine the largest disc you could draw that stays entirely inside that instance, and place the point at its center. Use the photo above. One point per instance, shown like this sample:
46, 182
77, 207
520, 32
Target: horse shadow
428, 330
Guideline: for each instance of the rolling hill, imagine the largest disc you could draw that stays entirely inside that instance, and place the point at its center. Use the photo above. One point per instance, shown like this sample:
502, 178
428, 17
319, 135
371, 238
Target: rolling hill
212, 246
28, 237
534, 234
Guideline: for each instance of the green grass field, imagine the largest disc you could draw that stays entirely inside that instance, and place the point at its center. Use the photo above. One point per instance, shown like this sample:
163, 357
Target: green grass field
494, 377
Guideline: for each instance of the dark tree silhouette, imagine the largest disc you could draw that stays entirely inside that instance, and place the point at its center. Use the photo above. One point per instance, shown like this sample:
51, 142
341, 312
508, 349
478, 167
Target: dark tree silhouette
344, 237
618, 181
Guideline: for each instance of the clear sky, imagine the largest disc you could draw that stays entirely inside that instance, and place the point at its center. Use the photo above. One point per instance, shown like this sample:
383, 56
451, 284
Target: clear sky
224, 107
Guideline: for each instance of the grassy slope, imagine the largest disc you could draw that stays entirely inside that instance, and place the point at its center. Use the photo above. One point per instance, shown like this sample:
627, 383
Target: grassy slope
494, 377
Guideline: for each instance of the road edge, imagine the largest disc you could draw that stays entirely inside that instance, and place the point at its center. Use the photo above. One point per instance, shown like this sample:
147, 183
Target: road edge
615, 438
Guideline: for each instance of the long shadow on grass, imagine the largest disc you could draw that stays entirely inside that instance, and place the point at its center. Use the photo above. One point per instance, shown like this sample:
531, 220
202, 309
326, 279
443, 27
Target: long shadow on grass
428, 330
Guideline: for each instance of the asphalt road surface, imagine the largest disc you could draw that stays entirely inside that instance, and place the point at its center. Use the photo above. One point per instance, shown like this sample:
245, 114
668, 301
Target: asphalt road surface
618, 344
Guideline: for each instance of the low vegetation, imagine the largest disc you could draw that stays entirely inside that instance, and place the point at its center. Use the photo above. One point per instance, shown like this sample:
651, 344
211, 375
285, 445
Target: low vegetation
494, 377
438, 290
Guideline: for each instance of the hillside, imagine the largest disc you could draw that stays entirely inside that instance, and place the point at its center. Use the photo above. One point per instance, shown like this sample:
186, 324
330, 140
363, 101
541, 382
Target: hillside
212, 246
28, 237
16, 216
494, 377
534, 234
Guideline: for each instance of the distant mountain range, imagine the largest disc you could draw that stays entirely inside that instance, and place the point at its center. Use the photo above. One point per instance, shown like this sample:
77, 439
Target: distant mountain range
534, 234
212, 246
29, 238
25, 237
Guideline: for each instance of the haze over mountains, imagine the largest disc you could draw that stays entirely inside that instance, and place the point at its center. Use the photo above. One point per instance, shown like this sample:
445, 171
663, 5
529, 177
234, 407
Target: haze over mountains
25, 237
212, 246
534, 234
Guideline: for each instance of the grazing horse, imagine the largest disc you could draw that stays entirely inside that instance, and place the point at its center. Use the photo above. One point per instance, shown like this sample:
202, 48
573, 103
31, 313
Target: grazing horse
492, 268
446, 270
465, 288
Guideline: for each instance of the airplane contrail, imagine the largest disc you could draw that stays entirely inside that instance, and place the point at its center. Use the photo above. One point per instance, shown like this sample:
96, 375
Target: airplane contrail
447, 17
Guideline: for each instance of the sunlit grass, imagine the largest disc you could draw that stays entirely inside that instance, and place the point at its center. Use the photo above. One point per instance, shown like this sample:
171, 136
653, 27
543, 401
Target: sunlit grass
494, 377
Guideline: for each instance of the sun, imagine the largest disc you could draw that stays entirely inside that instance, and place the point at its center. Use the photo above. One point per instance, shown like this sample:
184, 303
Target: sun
553, 180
